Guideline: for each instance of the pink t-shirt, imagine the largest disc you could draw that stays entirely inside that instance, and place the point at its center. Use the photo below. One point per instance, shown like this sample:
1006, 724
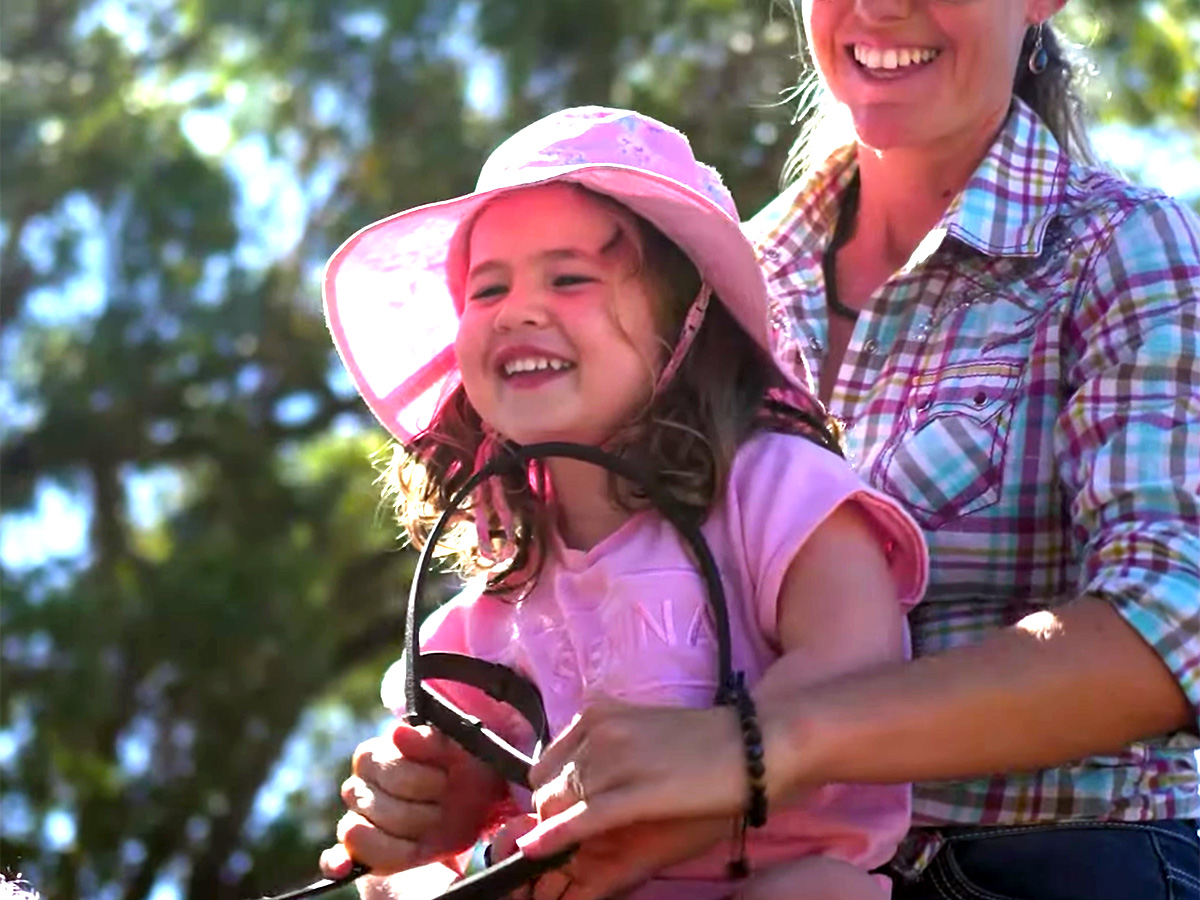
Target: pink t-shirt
630, 619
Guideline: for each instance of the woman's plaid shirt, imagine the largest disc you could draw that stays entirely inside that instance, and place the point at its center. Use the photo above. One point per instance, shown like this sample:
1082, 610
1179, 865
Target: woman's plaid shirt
1029, 386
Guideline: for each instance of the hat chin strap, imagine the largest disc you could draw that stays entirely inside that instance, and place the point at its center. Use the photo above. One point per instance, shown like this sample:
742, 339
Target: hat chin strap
687, 334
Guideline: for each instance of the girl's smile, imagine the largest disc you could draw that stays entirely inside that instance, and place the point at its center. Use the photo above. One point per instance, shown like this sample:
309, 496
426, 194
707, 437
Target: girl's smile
528, 367
558, 337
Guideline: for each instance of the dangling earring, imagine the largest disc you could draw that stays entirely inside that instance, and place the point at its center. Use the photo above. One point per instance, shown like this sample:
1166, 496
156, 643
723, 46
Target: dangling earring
1038, 57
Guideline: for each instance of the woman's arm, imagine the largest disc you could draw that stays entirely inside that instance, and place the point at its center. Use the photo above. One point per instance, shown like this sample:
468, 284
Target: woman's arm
1044, 692
1056, 687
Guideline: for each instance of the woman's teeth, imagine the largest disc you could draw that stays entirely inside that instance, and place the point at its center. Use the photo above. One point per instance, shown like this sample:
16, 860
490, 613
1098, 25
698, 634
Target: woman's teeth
516, 366
893, 58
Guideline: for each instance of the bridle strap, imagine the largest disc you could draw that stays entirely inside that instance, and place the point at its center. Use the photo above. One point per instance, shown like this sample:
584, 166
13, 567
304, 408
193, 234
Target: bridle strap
498, 682
420, 701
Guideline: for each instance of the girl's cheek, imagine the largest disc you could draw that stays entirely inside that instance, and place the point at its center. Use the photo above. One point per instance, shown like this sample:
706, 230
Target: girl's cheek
468, 351
469, 325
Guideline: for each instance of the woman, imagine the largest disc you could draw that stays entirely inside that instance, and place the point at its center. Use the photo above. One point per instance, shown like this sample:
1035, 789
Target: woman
1012, 340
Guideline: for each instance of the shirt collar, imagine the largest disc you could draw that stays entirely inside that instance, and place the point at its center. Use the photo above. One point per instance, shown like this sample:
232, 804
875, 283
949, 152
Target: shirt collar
1015, 192
1004, 210
799, 222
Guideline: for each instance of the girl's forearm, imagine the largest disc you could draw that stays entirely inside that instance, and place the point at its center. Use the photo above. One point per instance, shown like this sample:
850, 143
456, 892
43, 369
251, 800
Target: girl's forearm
1053, 689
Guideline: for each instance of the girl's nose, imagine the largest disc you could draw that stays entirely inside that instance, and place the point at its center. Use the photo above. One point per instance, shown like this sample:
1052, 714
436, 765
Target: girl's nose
523, 306
882, 10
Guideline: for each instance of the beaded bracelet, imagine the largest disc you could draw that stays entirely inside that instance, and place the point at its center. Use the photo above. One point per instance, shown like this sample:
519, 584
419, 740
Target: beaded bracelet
756, 809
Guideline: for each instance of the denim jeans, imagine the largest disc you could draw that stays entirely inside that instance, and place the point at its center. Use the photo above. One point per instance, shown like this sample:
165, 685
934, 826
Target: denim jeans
1068, 861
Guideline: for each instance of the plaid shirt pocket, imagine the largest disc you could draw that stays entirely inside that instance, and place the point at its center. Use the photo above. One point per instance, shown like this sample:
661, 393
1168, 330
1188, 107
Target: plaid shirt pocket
948, 460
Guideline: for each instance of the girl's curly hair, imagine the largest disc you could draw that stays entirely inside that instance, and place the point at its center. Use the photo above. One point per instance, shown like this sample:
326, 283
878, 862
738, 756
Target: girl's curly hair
686, 436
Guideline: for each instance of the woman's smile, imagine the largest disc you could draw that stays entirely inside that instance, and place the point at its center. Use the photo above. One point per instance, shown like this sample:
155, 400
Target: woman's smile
917, 74
890, 62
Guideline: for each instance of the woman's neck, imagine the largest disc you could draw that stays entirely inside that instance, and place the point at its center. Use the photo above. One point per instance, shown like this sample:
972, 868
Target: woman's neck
905, 191
586, 512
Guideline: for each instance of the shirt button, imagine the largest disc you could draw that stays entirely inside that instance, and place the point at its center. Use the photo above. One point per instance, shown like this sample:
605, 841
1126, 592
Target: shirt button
771, 253
815, 344
870, 346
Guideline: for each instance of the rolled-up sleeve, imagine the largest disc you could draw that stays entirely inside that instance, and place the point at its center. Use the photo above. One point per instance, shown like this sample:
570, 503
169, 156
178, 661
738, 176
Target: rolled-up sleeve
1128, 440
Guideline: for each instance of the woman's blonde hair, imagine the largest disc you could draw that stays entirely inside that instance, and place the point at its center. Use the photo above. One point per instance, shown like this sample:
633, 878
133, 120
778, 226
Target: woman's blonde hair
686, 436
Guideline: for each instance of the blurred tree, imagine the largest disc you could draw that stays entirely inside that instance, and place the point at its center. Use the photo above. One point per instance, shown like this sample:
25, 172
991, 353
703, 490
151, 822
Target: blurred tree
174, 174
1145, 59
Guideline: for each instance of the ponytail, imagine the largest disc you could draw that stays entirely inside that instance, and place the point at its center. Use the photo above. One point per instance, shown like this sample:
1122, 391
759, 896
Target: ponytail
1051, 93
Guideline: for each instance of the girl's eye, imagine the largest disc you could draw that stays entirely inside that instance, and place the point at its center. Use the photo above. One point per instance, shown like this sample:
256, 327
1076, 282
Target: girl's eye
562, 281
488, 292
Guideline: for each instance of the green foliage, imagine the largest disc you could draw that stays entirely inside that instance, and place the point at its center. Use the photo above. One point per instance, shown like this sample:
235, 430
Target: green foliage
1146, 58
174, 174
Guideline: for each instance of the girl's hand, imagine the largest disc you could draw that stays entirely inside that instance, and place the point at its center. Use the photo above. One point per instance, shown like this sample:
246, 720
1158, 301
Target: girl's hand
636, 764
414, 797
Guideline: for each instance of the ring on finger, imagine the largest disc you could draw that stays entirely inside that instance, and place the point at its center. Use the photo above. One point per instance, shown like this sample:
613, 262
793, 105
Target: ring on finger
575, 783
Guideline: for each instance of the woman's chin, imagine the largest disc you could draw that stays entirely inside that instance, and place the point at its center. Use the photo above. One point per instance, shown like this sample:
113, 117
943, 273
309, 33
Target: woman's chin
889, 131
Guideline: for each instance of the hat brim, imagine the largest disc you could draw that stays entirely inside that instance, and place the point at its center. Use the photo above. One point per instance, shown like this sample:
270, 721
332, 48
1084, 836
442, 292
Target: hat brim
390, 309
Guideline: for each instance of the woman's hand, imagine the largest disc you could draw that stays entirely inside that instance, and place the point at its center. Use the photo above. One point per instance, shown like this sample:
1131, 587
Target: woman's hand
414, 797
626, 857
636, 764
619, 859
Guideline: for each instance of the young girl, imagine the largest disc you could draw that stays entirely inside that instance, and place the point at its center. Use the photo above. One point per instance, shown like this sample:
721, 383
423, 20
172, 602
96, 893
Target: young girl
596, 288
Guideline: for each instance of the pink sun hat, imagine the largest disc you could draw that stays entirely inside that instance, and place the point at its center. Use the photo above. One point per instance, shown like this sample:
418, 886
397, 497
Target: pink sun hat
391, 291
